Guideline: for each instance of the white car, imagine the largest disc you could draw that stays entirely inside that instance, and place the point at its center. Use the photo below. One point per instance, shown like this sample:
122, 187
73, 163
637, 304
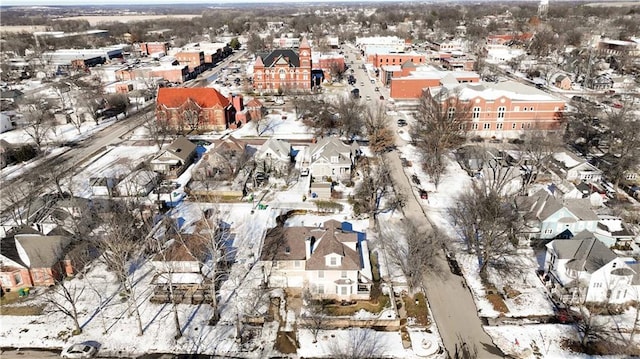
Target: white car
304, 172
80, 350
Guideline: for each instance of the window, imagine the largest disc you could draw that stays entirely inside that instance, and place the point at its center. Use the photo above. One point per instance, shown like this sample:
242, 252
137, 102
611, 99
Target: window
333, 261
516, 108
283, 74
528, 124
17, 278
343, 290
501, 112
513, 126
343, 274
474, 126
320, 288
461, 126
296, 264
476, 113
320, 274
486, 126
548, 231
287, 250
522, 125
451, 112
498, 126
334, 159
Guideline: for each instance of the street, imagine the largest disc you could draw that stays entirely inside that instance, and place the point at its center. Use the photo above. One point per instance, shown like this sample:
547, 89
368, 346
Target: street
452, 304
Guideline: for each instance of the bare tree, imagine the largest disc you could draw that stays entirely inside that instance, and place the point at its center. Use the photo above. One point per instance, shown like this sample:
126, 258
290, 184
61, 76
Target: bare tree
64, 298
91, 97
38, 118
314, 314
538, 146
375, 194
488, 223
159, 128
121, 250
441, 122
416, 253
359, 344
349, 111
624, 141
377, 124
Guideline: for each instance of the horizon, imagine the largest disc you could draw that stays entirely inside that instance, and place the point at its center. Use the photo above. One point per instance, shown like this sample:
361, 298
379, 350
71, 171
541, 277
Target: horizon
59, 3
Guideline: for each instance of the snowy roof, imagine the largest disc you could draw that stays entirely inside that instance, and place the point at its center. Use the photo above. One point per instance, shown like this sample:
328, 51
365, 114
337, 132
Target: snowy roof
492, 91
568, 159
587, 255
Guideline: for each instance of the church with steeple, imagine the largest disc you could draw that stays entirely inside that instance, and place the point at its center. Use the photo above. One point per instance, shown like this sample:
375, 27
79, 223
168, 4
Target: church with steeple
283, 70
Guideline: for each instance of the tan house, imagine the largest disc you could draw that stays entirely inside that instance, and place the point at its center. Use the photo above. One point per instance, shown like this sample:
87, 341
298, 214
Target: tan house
175, 158
329, 260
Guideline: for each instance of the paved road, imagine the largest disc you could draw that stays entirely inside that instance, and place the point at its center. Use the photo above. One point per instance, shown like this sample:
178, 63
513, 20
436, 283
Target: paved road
451, 303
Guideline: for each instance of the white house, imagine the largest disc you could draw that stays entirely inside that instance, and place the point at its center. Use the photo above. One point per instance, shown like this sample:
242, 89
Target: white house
573, 168
274, 156
330, 261
6, 124
585, 270
330, 157
548, 217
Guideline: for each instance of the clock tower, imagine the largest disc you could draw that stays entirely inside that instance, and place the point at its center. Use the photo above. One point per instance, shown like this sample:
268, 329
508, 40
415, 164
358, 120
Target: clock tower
305, 54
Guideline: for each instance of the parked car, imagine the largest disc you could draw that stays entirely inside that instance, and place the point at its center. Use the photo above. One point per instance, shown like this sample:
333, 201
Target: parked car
304, 172
80, 350
368, 98
424, 194
402, 122
405, 162
381, 97
377, 89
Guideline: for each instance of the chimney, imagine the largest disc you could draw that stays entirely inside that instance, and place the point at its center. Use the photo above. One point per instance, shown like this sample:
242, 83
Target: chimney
307, 248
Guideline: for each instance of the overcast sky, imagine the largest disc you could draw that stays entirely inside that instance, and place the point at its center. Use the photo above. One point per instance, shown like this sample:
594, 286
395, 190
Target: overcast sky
142, 2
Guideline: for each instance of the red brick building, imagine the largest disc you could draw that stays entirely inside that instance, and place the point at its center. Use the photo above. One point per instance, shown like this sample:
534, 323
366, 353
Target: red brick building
194, 60
408, 81
197, 108
505, 109
395, 58
329, 63
148, 48
283, 70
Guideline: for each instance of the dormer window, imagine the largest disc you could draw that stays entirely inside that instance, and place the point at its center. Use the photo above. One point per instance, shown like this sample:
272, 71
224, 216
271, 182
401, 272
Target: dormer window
287, 250
333, 261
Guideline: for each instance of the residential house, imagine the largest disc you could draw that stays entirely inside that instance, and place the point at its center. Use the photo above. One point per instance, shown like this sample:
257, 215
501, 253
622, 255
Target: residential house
330, 157
502, 110
331, 260
274, 157
284, 70
585, 270
28, 259
570, 167
614, 233
137, 184
196, 108
563, 82
224, 160
599, 83
6, 123
176, 158
547, 217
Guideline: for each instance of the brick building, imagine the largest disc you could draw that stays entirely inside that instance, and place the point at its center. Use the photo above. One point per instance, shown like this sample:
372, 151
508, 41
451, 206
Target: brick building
408, 81
148, 48
329, 63
395, 58
505, 109
283, 70
197, 108
194, 60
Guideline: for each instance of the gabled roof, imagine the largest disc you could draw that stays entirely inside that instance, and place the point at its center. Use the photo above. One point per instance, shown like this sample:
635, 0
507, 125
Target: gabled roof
329, 146
543, 205
289, 55
38, 251
181, 148
333, 241
254, 102
280, 147
205, 97
586, 255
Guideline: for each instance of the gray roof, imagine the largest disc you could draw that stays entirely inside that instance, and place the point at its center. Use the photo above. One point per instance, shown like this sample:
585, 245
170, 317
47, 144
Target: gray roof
542, 205
41, 251
280, 147
587, 255
182, 148
270, 59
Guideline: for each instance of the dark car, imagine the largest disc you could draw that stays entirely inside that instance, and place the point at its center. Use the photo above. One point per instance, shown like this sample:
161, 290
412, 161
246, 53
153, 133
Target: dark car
402, 122
415, 179
424, 194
